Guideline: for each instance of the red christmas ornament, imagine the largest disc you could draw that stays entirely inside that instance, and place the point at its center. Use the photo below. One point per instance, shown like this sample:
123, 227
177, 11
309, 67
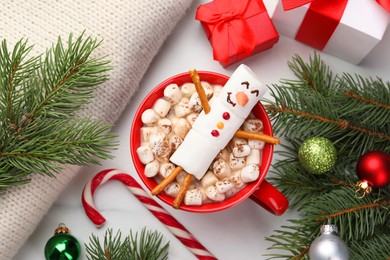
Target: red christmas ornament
373, 169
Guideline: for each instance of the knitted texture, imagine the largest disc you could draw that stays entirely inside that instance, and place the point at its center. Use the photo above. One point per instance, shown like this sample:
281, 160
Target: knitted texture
132, 32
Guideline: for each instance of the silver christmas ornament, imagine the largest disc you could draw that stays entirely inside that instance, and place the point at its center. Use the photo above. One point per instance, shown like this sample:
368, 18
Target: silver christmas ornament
328, 246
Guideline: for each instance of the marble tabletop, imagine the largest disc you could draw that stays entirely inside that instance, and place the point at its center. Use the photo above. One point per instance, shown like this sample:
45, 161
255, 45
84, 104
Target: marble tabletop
235, 233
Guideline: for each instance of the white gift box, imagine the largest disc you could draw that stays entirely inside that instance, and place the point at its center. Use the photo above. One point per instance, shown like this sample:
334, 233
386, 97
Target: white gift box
360, 29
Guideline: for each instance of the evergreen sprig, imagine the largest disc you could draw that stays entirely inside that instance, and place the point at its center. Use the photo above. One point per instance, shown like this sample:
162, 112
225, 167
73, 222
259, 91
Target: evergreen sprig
149, 245
39, 99
354, 113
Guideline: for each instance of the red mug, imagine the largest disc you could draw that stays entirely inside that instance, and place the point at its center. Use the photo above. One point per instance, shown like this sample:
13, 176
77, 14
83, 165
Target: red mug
260, 191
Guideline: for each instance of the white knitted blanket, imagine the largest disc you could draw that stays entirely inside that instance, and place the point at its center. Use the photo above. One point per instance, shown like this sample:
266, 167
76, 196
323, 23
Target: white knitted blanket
132, 33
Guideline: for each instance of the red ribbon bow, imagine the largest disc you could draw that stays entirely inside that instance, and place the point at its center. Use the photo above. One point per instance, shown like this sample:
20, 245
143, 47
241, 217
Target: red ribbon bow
229, 24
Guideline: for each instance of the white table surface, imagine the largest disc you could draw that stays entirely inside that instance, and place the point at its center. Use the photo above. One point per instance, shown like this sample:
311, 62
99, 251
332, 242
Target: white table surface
236, 233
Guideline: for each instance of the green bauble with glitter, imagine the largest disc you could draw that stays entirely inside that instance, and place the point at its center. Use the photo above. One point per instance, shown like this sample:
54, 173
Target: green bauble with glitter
317, 155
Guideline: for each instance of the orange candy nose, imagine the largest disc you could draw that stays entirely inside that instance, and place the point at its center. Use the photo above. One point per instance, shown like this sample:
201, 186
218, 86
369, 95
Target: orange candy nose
242, 98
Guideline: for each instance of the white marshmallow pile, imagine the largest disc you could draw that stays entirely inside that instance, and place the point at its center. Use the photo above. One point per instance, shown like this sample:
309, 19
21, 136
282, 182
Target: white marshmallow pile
166, 125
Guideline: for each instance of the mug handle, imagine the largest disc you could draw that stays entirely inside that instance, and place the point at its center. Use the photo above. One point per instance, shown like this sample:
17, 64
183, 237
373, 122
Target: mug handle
270, 198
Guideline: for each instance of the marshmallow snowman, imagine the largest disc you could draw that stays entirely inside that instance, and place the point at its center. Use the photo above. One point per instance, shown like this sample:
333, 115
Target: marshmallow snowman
211, 132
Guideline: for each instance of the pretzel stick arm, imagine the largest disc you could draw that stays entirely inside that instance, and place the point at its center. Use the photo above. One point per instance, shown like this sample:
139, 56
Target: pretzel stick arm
257, 136
202, 95
182, 191
156, 190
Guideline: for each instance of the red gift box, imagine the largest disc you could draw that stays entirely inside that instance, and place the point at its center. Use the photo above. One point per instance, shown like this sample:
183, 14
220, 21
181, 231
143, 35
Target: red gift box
237, 29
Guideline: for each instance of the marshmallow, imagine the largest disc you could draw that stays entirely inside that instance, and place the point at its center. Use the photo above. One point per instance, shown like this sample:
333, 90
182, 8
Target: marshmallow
224, 185
180, 177
159, 144
195, 184
195, 104
145, 154
254, 157
146, 132
221, 169
188, 89
173, 94
213, 194
241, 150
253, 125
250, 173
151, 169
194, 148
237, 141
231, 192
193, 197
174, 142
236, 180
208, 179
191, 118
182, 108
166, 169
149, 117
181, 128
236, 162
174, 119
172, 189
208, 89
256, 144
224, 154
163, 158
165, 125
161, 107
217, 89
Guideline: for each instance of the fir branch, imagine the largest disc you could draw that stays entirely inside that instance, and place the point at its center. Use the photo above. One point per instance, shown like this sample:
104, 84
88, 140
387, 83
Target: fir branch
15, 71
316, 104
111, 249
60, 141
353, 112
295, 239
349, 213
341, 124
363, 99
149, 245
73, 81
39, 98
375, 247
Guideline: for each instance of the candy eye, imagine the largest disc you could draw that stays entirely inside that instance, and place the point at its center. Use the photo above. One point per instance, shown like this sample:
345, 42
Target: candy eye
246, 83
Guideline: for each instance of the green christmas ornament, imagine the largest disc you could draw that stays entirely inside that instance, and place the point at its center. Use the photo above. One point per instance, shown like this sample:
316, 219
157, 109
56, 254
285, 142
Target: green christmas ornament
62, 246
317, 155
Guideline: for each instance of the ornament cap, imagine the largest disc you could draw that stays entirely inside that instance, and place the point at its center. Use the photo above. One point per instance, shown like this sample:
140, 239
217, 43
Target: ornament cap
363, 188
61, 229
329, 229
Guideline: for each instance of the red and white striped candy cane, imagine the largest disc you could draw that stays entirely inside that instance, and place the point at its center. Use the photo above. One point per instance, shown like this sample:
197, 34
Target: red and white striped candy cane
177, 229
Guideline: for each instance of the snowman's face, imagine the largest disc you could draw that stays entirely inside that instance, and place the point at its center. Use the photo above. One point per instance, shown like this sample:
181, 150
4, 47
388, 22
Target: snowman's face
241, 97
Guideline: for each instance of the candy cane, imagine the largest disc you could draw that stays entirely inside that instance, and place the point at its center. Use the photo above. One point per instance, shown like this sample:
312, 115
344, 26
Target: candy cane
177, 229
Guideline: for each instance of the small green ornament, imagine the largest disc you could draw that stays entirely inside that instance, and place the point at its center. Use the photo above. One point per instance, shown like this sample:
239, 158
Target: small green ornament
317, 155
62, 246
